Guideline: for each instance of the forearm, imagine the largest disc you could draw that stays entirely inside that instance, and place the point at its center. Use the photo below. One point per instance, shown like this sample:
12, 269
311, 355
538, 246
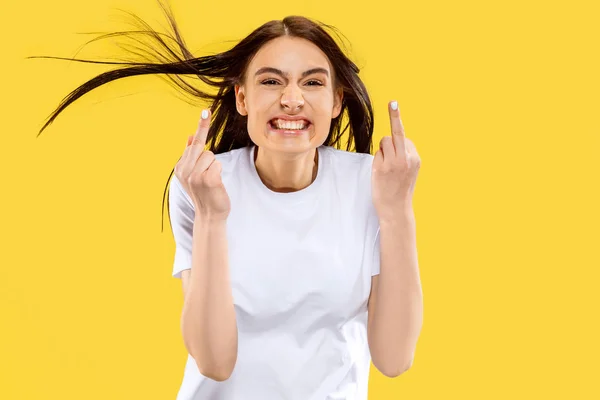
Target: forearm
398, 315
208, 319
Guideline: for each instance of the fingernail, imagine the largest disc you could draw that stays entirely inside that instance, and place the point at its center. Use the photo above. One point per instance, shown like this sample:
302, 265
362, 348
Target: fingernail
204, 114
394, 105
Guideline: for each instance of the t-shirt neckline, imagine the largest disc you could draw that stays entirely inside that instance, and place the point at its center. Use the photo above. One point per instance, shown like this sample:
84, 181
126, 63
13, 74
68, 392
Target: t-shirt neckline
296, 196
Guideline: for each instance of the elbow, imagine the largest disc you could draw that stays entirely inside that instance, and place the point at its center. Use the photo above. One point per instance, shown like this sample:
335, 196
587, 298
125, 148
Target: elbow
216, 374
394, 371
217, 369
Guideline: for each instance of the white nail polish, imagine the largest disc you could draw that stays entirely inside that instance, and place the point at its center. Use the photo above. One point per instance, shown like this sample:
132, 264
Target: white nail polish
394, 105
204, 114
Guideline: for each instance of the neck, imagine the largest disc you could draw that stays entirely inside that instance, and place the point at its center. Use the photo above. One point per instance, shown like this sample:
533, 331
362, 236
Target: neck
286, 173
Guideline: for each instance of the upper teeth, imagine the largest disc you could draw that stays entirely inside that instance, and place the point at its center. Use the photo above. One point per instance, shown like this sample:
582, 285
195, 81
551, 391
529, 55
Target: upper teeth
283, 124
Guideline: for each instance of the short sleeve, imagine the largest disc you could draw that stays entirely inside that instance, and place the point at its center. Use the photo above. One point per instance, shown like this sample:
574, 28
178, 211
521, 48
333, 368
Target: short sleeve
376, 255
182, 214
373, 255
372, 247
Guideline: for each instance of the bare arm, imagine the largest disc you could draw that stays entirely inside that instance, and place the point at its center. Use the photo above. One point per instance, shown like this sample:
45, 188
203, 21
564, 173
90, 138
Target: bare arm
208, 319
396, 301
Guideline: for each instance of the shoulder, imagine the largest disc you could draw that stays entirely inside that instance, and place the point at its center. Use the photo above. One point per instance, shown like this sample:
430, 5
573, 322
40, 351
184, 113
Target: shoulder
231, 159
349, 163
347, 157
350, 177
353, 172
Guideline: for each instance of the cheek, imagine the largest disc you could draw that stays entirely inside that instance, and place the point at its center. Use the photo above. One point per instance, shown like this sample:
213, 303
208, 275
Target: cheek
260, 104
320, 102
322, 108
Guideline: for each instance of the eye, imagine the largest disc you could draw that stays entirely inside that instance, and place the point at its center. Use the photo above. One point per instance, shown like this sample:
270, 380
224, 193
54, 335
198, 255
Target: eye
312, 82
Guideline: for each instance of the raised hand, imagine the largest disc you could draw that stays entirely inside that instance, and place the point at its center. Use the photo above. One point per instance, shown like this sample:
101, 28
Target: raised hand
395, 168
200, 175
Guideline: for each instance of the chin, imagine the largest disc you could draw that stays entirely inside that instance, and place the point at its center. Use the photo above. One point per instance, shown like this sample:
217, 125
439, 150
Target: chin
287, 147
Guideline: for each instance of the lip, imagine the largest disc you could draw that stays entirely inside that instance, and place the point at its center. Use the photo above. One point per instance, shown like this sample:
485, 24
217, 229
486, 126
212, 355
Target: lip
291, 118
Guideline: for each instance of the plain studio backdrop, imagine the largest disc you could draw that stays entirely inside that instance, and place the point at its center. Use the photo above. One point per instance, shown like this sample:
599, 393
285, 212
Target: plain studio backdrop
500, 99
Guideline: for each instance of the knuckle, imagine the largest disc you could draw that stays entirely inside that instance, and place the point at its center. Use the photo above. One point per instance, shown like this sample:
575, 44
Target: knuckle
206, 156
191, 179
397, 163
194, 178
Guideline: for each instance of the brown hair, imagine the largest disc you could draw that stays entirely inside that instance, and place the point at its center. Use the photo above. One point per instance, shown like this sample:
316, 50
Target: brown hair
226, 69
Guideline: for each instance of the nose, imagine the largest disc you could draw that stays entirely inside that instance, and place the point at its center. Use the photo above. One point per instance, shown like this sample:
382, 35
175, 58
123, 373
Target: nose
292, 98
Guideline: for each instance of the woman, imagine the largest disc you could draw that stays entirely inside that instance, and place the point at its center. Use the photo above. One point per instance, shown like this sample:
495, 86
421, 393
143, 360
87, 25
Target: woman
297, 259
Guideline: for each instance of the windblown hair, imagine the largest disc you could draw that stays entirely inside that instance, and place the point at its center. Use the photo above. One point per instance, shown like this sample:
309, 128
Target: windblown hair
228, 129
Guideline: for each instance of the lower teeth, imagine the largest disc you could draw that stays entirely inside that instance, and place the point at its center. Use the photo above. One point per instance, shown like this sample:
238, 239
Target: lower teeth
291, 129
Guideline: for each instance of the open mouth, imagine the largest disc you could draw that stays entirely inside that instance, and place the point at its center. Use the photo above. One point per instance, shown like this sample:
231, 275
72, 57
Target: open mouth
293, 127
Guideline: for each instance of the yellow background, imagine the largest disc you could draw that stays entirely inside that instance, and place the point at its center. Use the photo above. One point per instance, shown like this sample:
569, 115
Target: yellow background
500, 98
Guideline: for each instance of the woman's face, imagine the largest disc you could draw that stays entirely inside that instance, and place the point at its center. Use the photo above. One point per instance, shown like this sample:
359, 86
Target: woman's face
289, 79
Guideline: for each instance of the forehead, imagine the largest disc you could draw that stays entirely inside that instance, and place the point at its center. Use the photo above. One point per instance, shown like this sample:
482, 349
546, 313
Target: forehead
290, 54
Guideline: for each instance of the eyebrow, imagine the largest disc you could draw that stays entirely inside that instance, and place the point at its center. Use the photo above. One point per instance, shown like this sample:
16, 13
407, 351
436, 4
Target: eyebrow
281, 73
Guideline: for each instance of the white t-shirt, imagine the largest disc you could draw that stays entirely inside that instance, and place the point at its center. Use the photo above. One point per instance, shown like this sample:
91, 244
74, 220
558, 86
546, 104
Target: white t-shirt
300, 267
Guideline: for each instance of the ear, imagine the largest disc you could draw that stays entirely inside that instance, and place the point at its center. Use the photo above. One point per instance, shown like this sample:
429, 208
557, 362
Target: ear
240, 100
337, 102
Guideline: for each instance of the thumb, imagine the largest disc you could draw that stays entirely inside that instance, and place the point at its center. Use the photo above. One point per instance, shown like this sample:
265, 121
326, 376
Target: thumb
213, 174
217, 166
